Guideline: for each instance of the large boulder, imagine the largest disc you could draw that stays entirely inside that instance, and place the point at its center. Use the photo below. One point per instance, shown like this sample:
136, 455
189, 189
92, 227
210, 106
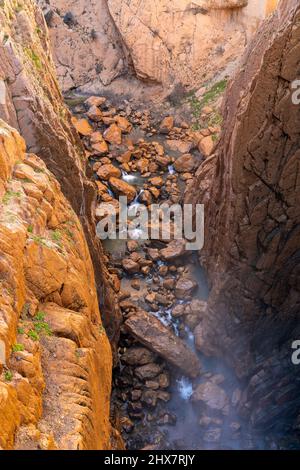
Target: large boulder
185, 163
185, 287
211, 396
121, 188
175, 249
105, 172
161, 340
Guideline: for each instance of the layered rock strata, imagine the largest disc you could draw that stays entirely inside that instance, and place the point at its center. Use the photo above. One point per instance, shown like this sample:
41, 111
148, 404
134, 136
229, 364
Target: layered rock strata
55, 378
31, 102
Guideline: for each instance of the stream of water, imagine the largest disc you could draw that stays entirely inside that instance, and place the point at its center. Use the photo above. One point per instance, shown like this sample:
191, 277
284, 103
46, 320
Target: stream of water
191, 424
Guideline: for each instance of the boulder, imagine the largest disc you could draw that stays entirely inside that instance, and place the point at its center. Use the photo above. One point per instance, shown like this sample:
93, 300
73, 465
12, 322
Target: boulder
180, 145
100, 147
94, 114
149, 331
113, 134
148, 371
163, 160
82, 126
156, 181
123, 124
185, 287
105, 172
138, 356
130, 266
166, 125
185, 163
206, 146
175, 249
121, 188
178, 311
95, 101
212, 396
153, 253
194, 313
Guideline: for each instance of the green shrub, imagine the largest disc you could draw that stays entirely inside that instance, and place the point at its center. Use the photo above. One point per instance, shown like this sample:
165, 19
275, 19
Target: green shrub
8, 376
18, 347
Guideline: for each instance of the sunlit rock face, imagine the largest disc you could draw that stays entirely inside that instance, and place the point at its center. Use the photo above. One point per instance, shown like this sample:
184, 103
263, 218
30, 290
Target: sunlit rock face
31, 102
87, 47
57, 354
182, 41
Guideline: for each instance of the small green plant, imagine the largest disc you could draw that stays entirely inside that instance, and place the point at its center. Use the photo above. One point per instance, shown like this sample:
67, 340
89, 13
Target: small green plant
33, 335
18, 347
10, 195
78, 353
69, 234
101, 330
39, 240
40, 325
56, 236
215, 119
20, 330
213, 93
30, 228
34, 57
8, 376
18, 8
209, 97
40, 316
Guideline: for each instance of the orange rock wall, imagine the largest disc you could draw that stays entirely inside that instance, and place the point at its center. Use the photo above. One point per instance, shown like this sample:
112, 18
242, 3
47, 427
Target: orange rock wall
55, 386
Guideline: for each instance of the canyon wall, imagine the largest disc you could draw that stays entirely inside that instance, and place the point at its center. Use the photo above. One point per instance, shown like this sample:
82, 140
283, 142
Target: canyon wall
163, 42
86, 45
31, 102
56, 383
251, 191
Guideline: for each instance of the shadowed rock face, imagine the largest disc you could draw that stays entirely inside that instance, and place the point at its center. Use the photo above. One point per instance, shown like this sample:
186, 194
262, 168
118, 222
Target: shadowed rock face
32, 103
251, 191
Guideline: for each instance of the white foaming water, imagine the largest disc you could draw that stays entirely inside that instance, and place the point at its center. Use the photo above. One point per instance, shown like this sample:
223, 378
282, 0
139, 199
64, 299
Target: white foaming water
135, 203
190, 340
136, 234
190, 334
185, 388
128, 178
171, 169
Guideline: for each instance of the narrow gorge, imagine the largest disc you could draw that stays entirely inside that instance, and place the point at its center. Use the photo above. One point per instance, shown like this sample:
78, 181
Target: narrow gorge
138, 342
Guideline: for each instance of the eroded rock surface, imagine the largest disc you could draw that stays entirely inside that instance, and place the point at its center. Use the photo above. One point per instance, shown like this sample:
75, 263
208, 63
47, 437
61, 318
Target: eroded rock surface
32, 103
55, 386
87, 47
97, 42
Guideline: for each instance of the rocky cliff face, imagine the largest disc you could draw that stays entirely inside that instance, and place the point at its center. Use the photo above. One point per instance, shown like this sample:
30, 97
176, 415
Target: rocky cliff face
87, 47
55, 386
162, 42
31, 102
250, 188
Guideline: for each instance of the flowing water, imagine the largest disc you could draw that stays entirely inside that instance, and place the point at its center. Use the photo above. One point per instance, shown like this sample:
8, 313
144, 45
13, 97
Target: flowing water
192, 426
